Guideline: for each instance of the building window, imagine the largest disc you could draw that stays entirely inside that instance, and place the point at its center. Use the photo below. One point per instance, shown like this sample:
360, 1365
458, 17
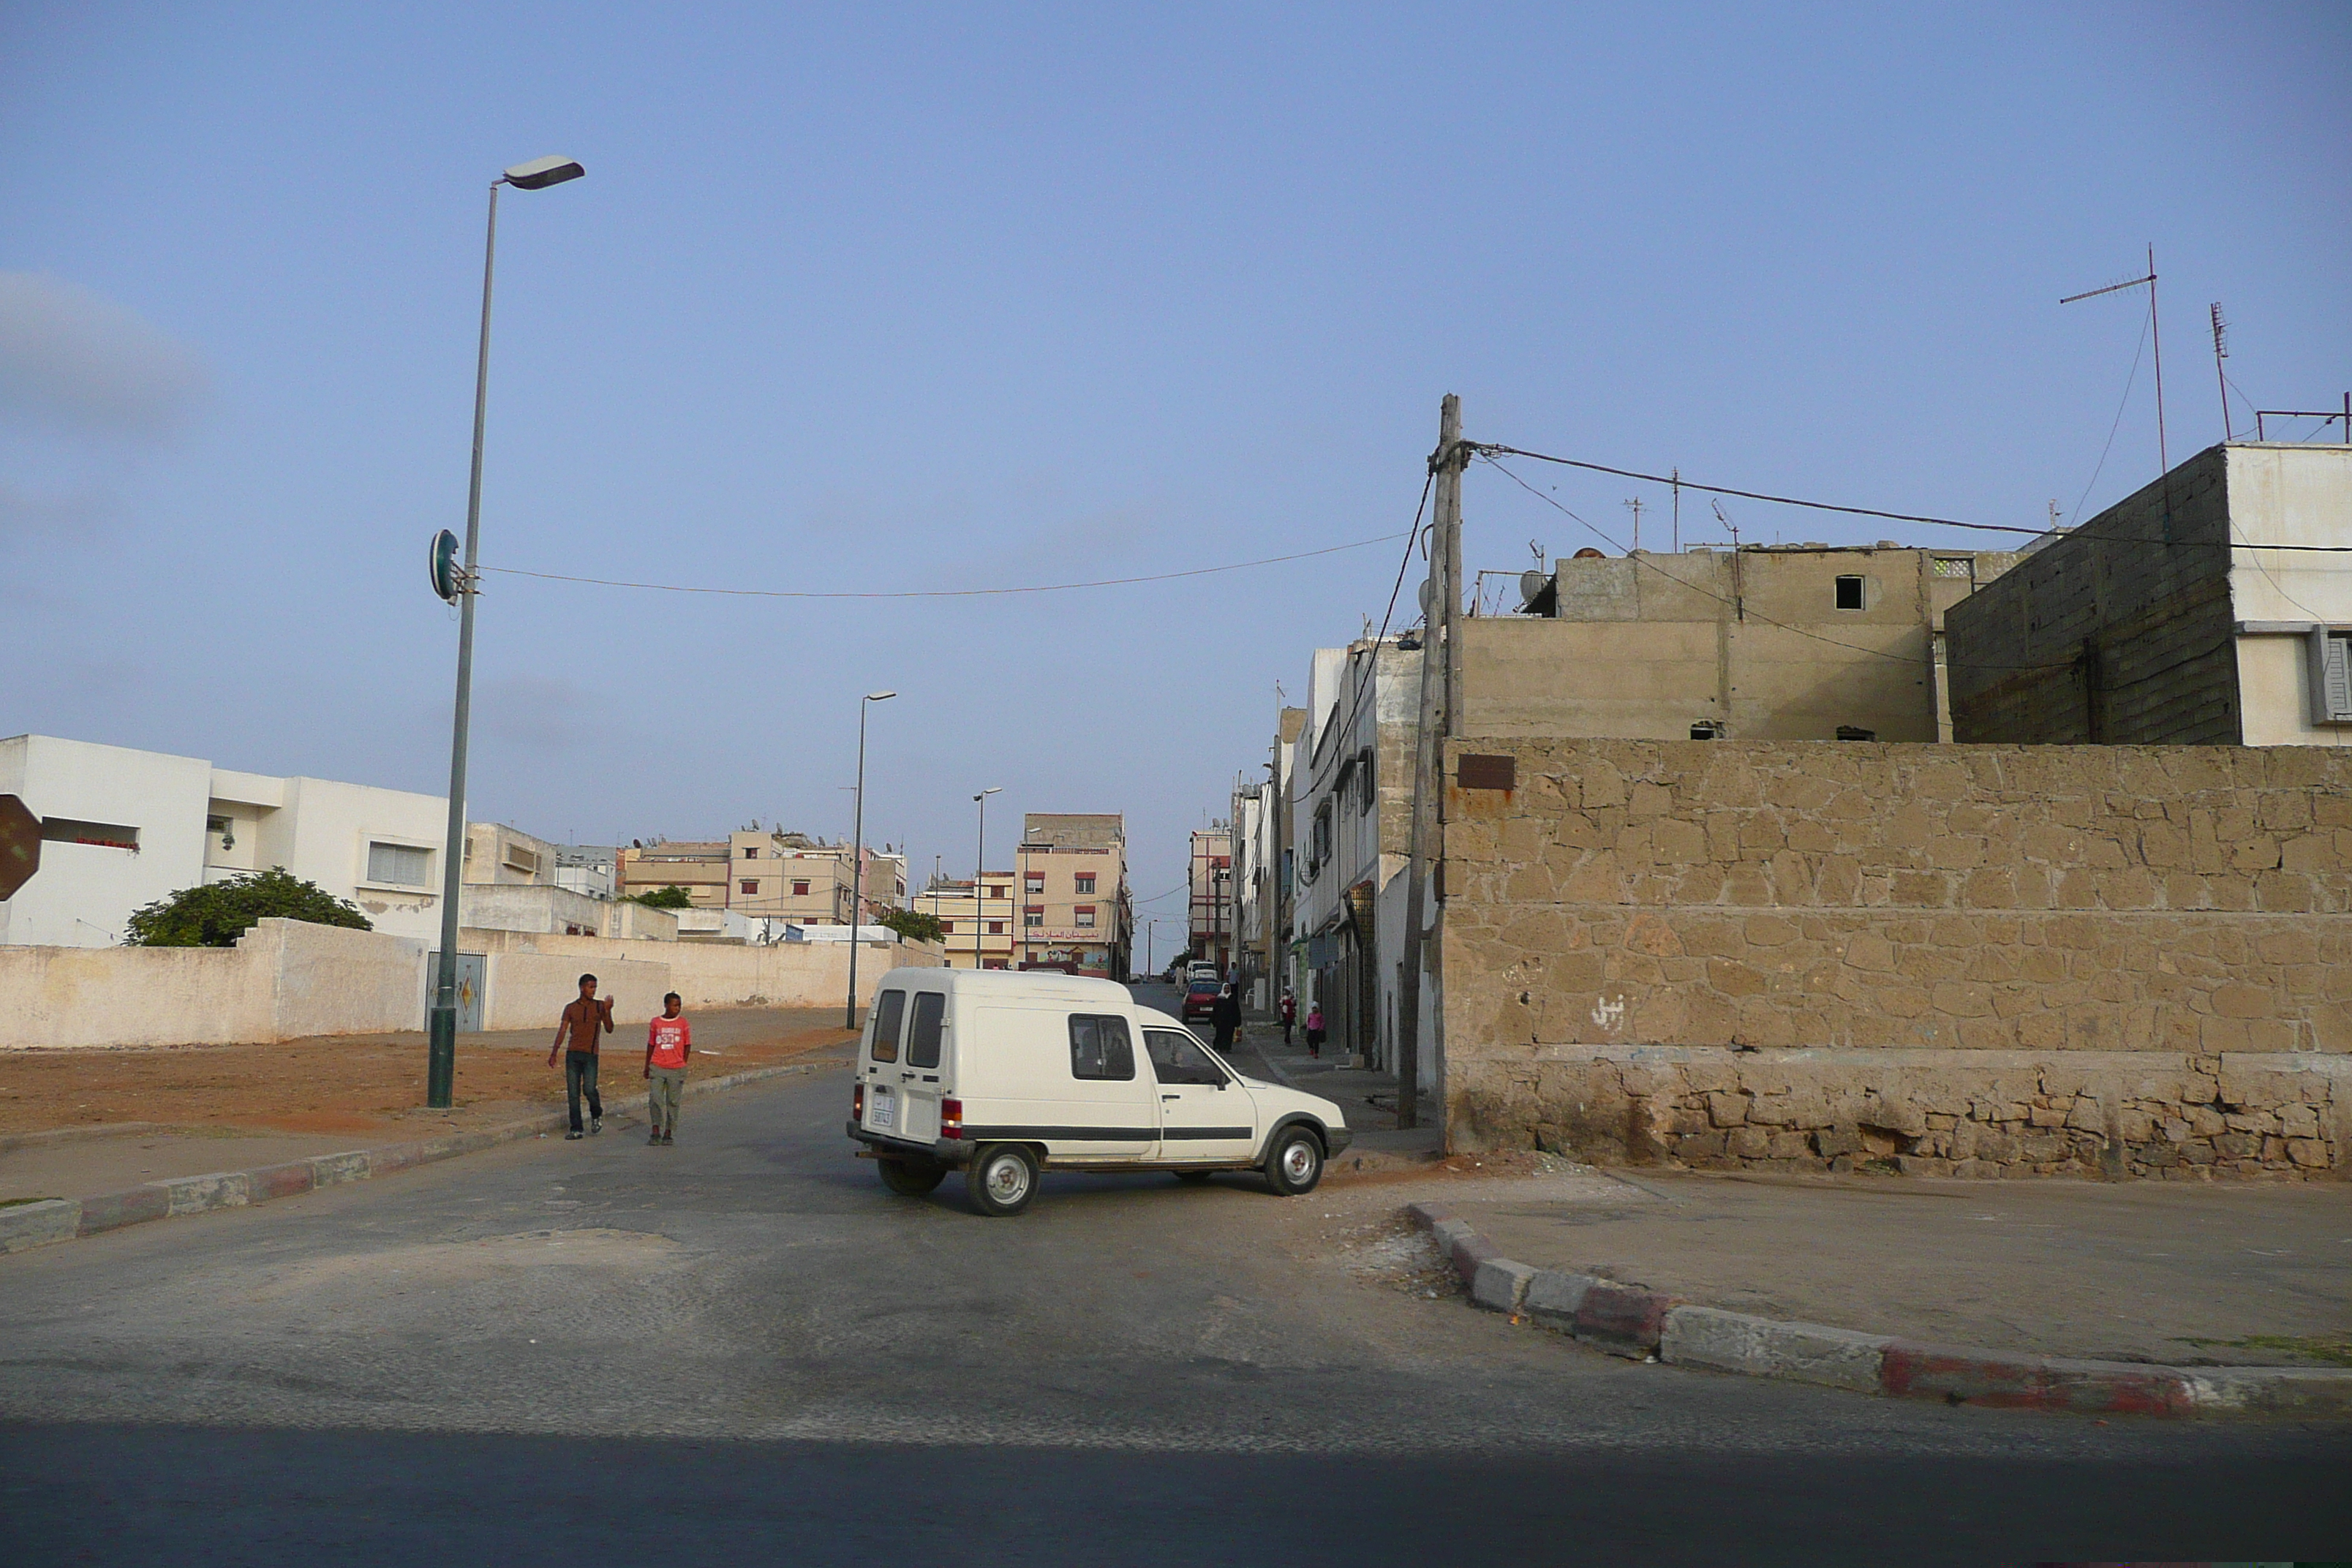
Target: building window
1032, 916
2331, 675
1955, 566
750, 884
996, 928
751, 852
1086, 882
947, 928
400, 864
800, 889
1851, 594
1084, 916
1034, 884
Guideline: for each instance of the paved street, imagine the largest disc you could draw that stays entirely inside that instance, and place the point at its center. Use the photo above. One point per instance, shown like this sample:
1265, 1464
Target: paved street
601, 1352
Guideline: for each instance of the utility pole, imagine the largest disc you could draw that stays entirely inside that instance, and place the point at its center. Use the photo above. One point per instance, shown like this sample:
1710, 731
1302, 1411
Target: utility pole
1440, 695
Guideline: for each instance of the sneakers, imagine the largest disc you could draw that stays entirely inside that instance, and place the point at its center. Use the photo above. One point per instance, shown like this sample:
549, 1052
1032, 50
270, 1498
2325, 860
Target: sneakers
655, 1139
596, 1125
576, 1132
668, 1139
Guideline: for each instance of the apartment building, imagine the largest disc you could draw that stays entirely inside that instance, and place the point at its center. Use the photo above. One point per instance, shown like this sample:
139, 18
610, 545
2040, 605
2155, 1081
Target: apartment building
977, 922
1209, 879
1076, 913
767, 875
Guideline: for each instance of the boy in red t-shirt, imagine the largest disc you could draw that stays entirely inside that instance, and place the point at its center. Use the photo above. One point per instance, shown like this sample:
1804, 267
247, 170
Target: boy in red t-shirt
669, 1040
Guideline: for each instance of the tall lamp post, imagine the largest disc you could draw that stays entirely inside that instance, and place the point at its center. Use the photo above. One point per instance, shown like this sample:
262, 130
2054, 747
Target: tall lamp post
441, 1035
857, 852
980, 872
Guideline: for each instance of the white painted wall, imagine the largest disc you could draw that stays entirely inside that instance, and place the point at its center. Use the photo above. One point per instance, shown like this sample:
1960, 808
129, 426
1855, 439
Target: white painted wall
319, 829
2281, 494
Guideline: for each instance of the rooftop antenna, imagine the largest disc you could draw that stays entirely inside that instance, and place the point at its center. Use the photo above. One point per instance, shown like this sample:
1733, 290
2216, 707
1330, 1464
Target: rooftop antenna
1634, 506
2156, 338
2220, 352
1739, 590
1677, 480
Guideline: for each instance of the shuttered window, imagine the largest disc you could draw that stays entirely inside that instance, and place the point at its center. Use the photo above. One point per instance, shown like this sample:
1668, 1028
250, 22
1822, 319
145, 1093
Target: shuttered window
400, 864
2331, 676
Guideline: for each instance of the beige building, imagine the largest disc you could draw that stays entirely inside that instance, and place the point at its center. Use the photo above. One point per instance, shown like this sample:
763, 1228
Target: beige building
978, 929
1209, 879
1799, 642
498, 853
767, 874
1076, 914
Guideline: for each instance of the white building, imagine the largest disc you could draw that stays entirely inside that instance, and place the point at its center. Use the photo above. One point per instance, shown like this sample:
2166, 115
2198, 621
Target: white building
123, 828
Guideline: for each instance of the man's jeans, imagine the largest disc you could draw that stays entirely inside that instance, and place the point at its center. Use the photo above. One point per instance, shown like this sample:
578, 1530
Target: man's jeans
664, 1088
580, 1074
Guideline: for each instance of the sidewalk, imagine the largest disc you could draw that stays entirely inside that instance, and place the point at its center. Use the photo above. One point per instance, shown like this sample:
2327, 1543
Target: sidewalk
2188, 1274
1368, 1100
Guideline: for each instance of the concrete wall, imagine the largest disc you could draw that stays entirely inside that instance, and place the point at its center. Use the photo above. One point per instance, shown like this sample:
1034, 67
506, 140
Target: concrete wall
284, 979
1988, 960
710, 975
517, 907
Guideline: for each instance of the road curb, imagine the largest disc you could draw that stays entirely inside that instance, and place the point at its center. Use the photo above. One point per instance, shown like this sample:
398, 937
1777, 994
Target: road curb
27, 1226
1631, 1320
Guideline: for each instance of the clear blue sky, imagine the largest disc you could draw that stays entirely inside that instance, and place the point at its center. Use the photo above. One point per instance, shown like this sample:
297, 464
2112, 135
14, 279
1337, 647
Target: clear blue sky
874, 297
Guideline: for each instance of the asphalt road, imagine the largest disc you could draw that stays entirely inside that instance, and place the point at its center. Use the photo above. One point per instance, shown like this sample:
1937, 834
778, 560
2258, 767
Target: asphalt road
743, 1347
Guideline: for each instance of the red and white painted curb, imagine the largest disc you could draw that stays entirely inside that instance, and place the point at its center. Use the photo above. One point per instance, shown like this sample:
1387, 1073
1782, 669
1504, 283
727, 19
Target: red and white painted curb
24, 1226
1629, 1321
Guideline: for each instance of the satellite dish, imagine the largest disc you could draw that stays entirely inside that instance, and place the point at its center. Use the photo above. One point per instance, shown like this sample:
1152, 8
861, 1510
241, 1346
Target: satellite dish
1428, 598
1533, 582
447, 579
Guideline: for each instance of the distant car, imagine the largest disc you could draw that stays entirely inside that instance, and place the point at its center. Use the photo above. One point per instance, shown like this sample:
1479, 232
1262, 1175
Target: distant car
1200, 998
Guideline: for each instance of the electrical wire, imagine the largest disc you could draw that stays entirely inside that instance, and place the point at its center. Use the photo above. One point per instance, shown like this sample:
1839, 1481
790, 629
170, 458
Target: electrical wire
1488, 450
2129, 381
941, 592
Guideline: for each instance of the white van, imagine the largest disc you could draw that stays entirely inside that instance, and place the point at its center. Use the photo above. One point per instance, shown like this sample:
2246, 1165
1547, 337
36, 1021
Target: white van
1007, 1074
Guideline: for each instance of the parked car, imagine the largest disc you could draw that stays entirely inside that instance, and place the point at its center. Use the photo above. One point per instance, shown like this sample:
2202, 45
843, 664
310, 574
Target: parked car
1200, 998
1006, 1075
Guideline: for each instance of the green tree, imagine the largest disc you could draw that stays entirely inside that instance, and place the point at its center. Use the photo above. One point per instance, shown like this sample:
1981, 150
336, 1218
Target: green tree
912, 925
670, 898
217, 915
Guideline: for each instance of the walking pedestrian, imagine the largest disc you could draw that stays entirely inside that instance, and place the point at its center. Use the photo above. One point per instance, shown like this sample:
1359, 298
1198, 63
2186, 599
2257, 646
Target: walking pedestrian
1289, 1012
583, 1021
669, 1040
1315, 1030
1227, 1017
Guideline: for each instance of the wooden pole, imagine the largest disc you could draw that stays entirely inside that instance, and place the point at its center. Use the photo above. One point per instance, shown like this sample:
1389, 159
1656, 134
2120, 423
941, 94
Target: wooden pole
1440, 688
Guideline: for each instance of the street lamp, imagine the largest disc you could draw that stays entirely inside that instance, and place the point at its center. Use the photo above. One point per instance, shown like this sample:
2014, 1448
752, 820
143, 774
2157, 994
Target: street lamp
441, 1033
980, 872
857, 852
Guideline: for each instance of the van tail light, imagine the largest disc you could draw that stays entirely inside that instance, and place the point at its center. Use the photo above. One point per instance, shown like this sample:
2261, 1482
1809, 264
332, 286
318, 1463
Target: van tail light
951, 1117
857, 1103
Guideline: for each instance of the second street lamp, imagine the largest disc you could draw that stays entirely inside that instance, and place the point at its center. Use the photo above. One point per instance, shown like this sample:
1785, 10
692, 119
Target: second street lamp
979, 873
857, 851
441, 1022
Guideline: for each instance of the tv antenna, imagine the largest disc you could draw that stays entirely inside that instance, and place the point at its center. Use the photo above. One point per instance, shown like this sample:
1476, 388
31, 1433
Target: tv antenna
2163, 454
1634, 506
2220, 352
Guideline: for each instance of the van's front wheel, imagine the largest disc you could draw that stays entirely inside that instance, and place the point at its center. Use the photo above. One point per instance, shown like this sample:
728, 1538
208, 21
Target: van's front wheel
911, 1178
1001, 1179
1295, 1163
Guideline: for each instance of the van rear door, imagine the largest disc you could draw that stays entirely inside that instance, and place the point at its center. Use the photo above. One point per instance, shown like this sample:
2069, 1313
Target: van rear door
880, 1070
1204, 1113
919, 1080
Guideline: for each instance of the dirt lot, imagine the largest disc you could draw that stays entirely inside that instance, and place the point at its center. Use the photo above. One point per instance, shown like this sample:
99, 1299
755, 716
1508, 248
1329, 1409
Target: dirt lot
364, 1083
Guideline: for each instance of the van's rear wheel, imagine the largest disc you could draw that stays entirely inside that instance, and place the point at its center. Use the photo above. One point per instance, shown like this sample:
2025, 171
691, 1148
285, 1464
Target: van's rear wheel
911, 1178
1001, 1179
1295, 1163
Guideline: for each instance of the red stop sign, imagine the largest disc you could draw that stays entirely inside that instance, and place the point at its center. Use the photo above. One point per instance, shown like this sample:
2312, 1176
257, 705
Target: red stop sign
20, 844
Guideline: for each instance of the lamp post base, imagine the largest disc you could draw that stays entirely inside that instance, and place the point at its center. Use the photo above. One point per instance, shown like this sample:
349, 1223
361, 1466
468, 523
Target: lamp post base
440, 1057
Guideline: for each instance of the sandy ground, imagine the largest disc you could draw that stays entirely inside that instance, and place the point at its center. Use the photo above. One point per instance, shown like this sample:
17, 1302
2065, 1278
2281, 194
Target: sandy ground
361, 1084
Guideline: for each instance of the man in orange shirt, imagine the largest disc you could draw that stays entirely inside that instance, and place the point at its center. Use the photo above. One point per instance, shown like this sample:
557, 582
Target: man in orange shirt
584, 1022
669, 1040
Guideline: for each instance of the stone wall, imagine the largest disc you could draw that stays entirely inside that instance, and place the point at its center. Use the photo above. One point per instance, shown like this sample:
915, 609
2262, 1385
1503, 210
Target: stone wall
1976, 959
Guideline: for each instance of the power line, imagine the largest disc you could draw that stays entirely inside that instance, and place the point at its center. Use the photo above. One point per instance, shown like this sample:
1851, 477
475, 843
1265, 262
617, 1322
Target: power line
940, 593
1488, 450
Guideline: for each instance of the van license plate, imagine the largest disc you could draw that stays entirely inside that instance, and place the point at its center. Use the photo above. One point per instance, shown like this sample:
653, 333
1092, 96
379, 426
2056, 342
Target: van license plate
884, 1107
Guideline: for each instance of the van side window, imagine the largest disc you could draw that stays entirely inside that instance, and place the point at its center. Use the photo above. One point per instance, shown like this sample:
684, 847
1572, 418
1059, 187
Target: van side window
1179, 1058
1099, 1047
887, 1009
923, 1034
